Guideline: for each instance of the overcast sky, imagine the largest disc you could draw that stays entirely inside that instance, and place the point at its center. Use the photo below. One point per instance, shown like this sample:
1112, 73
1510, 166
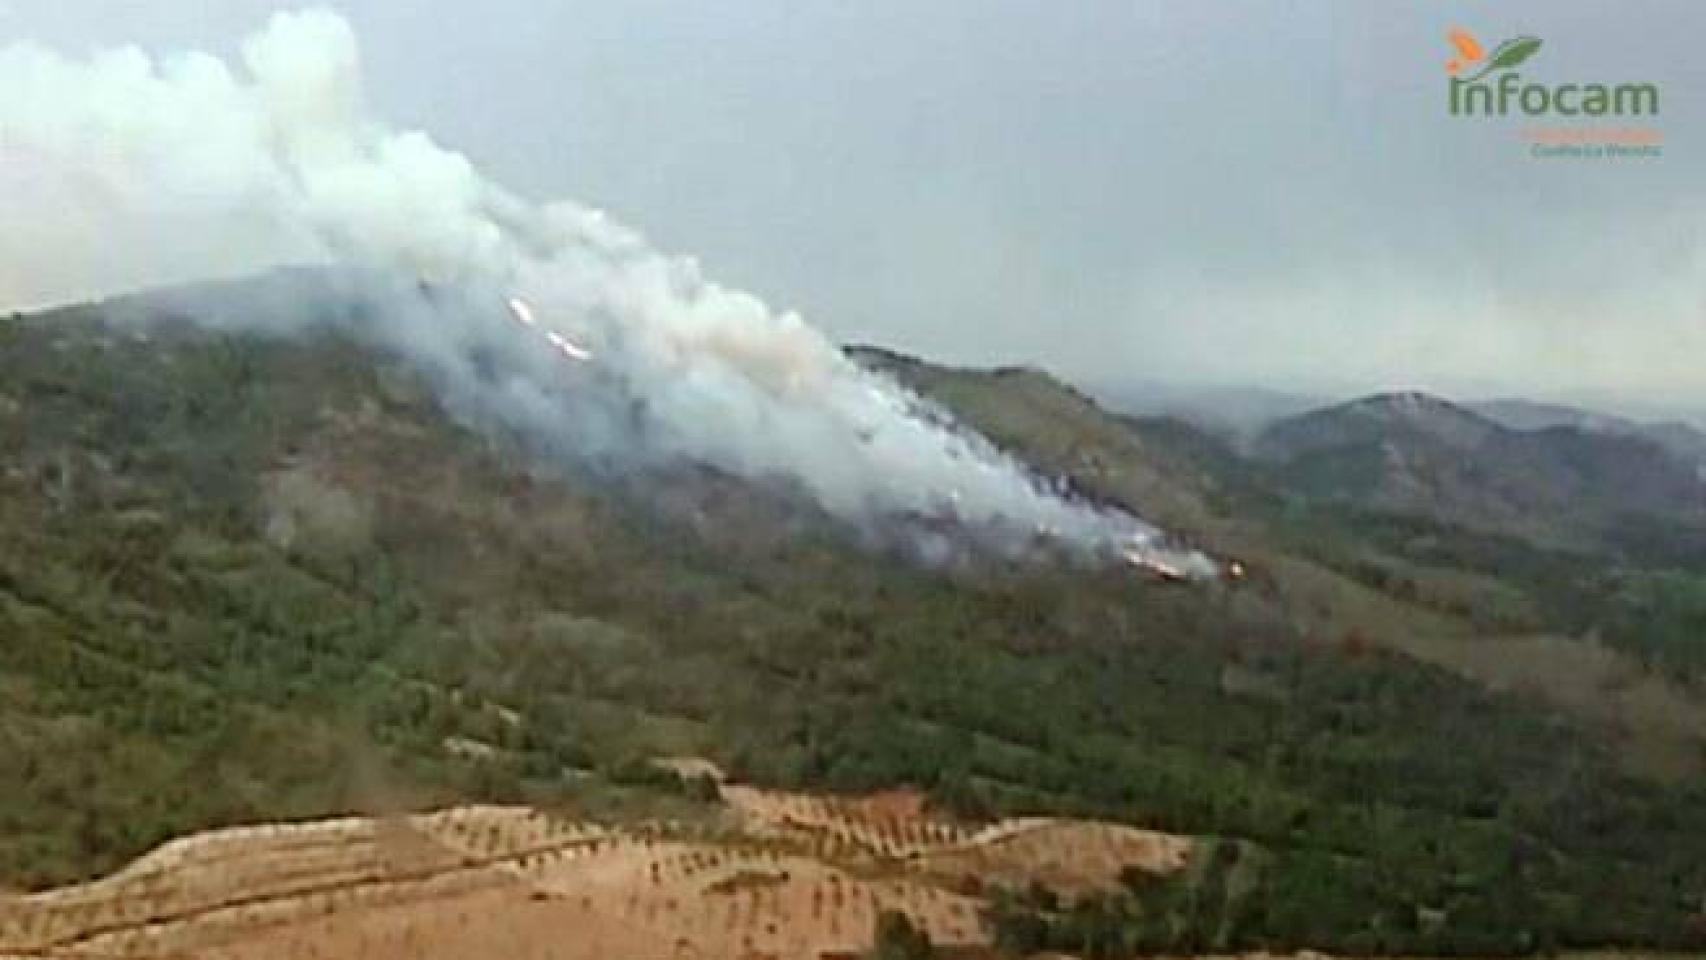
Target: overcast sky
1258, 193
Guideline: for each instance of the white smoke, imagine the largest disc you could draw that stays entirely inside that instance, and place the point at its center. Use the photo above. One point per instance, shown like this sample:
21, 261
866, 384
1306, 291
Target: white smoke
121, 171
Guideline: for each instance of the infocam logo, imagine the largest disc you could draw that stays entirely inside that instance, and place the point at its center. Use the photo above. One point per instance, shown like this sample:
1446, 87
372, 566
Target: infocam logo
1494, 88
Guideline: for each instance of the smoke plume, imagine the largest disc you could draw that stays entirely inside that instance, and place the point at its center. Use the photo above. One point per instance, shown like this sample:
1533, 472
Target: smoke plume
123, 170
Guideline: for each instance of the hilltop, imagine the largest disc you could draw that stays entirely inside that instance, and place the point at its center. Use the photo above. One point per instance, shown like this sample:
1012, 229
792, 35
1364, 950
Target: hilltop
1564, 484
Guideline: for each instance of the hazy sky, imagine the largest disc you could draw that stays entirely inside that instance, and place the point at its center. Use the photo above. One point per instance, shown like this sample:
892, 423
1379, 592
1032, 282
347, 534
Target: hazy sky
1222, 193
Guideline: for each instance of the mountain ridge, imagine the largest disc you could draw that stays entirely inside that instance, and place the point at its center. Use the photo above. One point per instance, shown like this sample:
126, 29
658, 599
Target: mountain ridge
1680, 437
1417, 453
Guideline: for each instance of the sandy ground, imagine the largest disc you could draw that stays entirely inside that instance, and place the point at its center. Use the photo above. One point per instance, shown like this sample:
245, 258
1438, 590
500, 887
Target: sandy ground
1071, 856
800, 878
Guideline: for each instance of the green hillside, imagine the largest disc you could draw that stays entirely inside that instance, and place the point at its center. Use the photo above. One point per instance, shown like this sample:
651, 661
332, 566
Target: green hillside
245, 578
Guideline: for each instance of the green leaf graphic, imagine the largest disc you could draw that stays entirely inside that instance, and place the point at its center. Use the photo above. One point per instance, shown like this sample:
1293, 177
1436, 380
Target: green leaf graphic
1510, 53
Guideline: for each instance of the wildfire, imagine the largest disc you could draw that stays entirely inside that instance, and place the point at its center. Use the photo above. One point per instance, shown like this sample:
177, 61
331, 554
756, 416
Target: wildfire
1160, 568
568, 348
1169, 571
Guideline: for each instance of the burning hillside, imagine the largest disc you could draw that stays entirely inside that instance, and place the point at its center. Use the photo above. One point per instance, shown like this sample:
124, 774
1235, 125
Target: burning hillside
276, 162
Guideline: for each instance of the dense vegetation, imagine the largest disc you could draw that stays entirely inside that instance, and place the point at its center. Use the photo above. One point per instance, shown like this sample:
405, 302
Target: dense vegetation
242, 579
1645, 594
1655, 611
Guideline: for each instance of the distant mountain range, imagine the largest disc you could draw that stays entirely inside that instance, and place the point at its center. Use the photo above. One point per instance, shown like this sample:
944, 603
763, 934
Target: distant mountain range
1223, 409
1553, 474
1246, 411
1680, 438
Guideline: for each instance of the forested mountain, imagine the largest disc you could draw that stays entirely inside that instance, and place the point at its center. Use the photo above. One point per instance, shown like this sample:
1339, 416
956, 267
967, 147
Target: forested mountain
247, 578
1566, 484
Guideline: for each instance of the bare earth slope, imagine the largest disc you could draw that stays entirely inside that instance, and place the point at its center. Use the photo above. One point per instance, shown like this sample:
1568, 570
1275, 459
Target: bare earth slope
786, 876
